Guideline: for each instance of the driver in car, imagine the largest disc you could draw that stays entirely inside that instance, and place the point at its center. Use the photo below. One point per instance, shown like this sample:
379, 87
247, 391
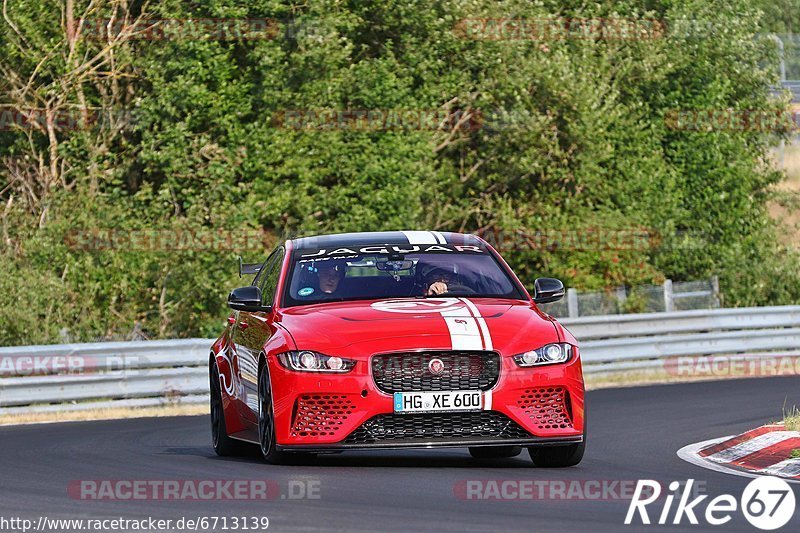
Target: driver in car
437, 281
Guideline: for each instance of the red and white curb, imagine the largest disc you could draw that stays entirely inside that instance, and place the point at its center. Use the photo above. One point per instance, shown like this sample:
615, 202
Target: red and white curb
764, 451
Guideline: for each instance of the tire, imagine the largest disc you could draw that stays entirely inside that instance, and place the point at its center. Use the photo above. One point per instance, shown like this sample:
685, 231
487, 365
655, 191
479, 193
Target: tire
266, 422
224, 446
558, 456
495, 452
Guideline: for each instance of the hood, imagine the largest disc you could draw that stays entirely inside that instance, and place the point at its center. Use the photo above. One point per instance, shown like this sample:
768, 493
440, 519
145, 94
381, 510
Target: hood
366, 327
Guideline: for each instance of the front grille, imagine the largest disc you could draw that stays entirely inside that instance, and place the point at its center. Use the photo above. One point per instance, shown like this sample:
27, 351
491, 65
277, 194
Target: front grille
432, 427
409, 372
548, 407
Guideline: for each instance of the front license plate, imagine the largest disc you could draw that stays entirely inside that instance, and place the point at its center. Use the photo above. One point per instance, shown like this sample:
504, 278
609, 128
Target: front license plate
426, 402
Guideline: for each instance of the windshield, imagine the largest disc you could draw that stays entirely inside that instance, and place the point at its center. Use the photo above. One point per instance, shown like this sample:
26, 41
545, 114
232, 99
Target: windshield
324, 278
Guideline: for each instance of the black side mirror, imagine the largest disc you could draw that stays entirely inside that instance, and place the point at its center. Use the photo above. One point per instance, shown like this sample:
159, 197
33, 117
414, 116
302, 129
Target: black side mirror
546, 290
246, 299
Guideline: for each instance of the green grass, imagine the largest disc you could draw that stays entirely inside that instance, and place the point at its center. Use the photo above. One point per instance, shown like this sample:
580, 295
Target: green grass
791, 420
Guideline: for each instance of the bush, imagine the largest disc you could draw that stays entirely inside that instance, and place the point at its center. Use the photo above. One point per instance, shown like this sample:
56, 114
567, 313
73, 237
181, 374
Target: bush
571, 137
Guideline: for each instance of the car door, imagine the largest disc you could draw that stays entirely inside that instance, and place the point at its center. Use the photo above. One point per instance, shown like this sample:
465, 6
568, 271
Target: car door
252, 332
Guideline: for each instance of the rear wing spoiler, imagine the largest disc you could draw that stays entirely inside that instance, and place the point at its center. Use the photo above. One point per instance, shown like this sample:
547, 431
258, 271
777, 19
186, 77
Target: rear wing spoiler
248, 268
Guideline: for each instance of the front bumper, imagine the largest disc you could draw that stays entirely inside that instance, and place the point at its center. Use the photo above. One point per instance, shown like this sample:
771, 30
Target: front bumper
323, 412
468, 443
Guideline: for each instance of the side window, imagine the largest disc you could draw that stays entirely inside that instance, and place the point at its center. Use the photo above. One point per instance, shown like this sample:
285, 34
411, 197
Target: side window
258, 281
268, 282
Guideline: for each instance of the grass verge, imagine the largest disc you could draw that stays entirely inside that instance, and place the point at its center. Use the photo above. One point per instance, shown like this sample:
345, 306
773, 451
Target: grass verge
110, 413
791, 420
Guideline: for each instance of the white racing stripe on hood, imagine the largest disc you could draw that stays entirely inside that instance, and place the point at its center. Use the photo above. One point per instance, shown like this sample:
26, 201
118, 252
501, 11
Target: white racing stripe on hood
484, 327
468, 329
464, 330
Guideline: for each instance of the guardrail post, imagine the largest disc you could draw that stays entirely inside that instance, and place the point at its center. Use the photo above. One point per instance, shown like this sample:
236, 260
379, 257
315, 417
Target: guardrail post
715, 291
622, 295
572, 302
782, 53
669, 299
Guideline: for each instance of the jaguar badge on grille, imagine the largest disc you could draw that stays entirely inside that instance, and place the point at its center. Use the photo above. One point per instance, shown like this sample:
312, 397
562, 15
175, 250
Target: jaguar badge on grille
436, 366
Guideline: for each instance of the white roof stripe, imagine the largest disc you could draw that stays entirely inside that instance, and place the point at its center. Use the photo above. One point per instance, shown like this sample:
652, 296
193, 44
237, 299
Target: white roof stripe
420, 237
439, 237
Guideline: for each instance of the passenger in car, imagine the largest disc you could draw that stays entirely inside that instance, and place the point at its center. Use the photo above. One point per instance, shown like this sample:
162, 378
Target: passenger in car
331, 274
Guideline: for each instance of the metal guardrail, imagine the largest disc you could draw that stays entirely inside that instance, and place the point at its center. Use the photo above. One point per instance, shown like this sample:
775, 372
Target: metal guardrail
98, 375
794, 87
78, 376
668, 297
647, 341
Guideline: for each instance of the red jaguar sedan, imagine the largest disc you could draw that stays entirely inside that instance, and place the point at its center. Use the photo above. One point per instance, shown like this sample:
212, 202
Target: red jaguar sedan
407, 339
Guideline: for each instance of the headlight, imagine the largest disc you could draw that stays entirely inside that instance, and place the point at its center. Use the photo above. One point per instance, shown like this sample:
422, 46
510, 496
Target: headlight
546, 355
307, 361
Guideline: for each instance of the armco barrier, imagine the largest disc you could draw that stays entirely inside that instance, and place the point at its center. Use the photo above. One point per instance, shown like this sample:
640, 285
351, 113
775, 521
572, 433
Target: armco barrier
77, 376
640, 341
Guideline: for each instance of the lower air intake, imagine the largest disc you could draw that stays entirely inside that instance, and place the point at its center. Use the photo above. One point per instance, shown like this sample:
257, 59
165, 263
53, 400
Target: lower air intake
548, 407
320, 415
428, 427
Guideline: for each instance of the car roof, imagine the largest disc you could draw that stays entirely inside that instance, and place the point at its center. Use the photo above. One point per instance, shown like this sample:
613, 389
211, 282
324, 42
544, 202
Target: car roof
385, 237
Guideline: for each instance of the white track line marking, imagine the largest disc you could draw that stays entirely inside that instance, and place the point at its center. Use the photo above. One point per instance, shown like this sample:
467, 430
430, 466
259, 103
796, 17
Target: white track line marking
734, 453
690, 454
787, 467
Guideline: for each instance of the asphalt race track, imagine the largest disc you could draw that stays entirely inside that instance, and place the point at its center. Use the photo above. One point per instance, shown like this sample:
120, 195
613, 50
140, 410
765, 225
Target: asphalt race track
634, 433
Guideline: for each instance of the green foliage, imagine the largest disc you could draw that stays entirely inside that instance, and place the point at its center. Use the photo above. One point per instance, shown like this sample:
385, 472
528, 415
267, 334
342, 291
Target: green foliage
574, 141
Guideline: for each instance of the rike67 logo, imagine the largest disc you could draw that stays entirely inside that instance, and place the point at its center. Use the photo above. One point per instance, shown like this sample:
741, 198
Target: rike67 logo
767, 503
